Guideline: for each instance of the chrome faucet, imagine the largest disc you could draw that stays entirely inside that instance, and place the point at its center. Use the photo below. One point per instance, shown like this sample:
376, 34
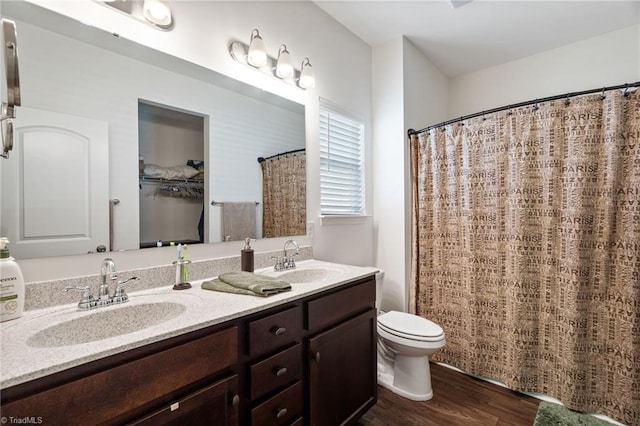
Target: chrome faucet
108, 269
287, 261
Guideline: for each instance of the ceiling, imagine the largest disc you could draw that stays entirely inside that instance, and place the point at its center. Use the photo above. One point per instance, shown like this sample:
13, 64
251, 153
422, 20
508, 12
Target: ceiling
464, 36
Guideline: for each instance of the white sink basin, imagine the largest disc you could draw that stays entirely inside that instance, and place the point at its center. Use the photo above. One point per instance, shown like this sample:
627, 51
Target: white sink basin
104, 323
307, 275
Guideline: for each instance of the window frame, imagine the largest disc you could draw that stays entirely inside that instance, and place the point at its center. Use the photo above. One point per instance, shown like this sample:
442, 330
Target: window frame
348, 119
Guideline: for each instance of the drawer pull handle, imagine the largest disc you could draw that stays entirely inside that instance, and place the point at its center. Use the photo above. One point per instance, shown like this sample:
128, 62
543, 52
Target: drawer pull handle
279, 331
280, 371
281, 413
316, 356
235, 401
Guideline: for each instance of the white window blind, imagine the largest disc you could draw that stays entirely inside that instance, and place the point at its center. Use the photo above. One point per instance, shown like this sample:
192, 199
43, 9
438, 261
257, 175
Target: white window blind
341, 163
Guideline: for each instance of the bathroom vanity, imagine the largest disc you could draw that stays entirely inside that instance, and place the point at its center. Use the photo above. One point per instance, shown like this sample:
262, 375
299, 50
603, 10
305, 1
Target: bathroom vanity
305, 357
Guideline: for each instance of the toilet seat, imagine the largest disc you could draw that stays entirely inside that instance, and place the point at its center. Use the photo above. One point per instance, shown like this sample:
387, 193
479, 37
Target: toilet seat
410, 327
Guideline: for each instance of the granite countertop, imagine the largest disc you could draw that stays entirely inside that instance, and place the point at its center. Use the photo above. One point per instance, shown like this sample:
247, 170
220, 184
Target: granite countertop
196, 308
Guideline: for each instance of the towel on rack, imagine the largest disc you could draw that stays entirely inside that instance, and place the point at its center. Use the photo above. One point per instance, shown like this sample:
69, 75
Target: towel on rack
247, 283
238, 220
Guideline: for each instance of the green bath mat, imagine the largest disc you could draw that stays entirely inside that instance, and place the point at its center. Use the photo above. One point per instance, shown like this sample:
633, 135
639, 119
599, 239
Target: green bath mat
550, 414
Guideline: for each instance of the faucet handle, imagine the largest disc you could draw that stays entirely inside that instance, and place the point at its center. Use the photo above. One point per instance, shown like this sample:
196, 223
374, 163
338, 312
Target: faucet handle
120, 296
87, 301
279, 263
291, 262
86, 289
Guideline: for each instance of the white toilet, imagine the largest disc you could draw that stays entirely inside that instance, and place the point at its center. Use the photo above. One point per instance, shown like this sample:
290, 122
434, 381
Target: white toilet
405, 342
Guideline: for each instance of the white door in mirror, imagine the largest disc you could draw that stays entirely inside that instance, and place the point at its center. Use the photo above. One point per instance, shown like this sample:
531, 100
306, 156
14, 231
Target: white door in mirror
55, 188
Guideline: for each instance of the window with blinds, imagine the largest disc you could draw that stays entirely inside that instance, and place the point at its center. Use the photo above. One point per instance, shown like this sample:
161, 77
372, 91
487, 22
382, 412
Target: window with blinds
341, 163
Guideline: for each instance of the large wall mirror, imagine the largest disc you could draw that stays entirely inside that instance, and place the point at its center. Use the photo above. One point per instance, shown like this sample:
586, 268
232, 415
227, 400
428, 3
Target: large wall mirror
120, 146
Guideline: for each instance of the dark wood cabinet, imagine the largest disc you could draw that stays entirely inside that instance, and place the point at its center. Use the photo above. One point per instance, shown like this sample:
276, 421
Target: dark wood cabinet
310, 361
116, 394
216, 404
342, 371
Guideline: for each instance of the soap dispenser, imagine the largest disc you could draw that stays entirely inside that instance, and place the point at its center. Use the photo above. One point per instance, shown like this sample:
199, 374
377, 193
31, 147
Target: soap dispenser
12, 285
246, 256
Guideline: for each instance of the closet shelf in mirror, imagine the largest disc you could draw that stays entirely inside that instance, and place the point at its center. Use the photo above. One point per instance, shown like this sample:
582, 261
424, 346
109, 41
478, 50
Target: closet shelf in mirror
152, 179
188, 188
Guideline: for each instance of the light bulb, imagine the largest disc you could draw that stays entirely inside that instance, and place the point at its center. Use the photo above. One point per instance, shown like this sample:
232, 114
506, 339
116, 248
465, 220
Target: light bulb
307, 79
257, 55
157, 12
284, 67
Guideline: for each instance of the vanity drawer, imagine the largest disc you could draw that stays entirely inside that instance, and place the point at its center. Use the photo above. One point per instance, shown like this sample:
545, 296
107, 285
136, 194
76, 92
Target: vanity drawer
216, 404
128, 386
283, 408
328, 310
276, 371
274, 331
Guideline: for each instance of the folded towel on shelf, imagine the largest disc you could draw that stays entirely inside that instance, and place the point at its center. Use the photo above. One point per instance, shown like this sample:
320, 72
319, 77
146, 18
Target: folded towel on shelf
247, 283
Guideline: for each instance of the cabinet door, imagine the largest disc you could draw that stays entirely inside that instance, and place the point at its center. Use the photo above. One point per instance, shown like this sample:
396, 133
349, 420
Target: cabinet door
342, 371
216, 404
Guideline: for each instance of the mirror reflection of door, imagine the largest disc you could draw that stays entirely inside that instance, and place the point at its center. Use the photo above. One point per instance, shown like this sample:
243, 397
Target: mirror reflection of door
55, 186
172, 175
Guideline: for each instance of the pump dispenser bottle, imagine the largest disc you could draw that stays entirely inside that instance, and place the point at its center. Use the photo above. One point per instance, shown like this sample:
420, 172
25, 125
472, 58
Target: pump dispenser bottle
11, 285
246, 256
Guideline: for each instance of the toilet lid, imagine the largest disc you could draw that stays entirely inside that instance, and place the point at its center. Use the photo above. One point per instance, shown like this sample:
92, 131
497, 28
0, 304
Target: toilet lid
411, 326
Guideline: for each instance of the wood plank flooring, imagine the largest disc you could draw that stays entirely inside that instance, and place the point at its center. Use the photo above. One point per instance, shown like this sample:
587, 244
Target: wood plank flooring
458, 400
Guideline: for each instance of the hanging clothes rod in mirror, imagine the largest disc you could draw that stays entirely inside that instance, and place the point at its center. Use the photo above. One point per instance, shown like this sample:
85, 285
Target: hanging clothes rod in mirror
220, 203
567, 96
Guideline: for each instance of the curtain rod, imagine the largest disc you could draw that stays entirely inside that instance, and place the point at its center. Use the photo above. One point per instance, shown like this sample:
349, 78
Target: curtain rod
521, 104
262, 159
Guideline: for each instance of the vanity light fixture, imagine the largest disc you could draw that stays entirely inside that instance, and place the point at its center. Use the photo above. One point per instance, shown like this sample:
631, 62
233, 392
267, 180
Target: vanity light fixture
307, 79
284, 67
255, 55
156, 13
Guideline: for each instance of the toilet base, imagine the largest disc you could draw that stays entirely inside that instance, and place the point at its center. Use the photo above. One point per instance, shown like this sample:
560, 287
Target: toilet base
386, 381
409, 377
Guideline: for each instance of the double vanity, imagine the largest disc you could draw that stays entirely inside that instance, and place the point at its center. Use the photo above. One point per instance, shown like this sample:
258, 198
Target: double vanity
303, 357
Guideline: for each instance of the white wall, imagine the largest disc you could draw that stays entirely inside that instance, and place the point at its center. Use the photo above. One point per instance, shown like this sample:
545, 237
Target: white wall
203, 30
607, 60
426, 98
408, 90
389, 195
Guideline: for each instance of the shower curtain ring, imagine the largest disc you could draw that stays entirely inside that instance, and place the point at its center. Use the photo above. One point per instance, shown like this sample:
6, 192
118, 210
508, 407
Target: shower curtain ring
535, 106
602, 95
567, 102
626, 90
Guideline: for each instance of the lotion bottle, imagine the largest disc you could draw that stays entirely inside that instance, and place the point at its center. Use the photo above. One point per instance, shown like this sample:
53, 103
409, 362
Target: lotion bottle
246, 256
11, 285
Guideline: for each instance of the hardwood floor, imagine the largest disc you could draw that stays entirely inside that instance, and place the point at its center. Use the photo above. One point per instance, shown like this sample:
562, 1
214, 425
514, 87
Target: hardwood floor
458, 400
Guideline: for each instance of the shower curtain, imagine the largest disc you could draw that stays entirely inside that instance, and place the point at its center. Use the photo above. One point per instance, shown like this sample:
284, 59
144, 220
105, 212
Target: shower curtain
526, 248
284, 194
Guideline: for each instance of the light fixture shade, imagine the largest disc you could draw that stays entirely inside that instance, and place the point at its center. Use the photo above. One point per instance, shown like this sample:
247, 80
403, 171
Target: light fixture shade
307, 79
284, 67
257, 55
157, 12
